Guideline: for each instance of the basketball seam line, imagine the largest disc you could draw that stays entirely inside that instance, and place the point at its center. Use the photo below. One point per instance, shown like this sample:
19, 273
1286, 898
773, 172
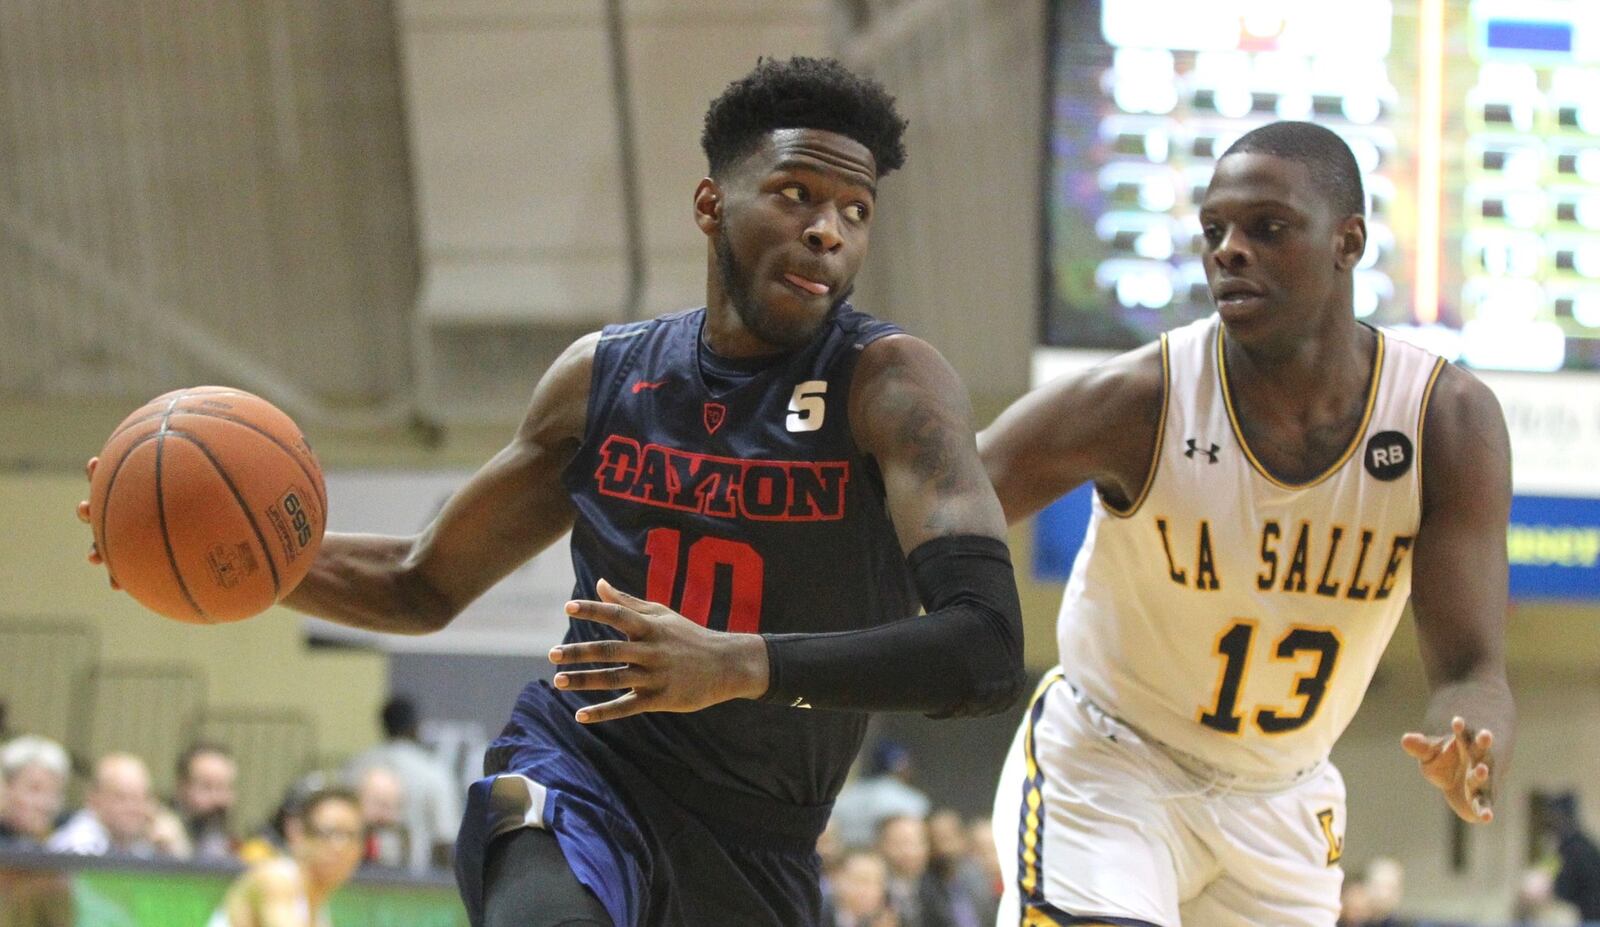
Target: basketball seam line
322, 495
161, 513
322, 498
249, 516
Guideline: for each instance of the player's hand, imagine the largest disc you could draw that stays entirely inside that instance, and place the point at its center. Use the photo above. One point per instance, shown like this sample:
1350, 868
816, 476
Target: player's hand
668, 663
1457, 764
83, 516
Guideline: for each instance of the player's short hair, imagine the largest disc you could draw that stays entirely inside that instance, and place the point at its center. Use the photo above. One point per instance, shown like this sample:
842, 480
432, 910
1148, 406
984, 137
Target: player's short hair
802, 93
198, 748
30, 750
1333, 168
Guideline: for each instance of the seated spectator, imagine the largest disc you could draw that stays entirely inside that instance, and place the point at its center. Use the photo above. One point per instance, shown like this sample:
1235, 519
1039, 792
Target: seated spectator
885, 791
325, 837
433, 796
859, 895
985, 856
913, 892
34, 772
962, 886
382, 796
205, 799
117, 812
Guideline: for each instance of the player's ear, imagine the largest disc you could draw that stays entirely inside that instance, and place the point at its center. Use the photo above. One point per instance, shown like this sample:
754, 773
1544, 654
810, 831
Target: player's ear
708, 206
1351, 243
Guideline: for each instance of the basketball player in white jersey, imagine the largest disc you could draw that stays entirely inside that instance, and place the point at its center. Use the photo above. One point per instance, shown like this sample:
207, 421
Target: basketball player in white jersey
1272, 484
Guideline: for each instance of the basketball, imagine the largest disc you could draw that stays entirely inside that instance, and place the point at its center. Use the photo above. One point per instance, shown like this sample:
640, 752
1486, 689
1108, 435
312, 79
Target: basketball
207, 505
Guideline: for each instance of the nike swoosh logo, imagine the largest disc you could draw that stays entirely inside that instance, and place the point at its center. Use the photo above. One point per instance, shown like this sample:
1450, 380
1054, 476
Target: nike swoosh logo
642, 385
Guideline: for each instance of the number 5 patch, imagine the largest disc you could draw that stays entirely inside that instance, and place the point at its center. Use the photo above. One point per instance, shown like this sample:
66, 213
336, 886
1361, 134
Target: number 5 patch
806, 406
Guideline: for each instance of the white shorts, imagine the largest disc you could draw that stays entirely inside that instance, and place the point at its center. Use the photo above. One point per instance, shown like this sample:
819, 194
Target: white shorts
1097, 825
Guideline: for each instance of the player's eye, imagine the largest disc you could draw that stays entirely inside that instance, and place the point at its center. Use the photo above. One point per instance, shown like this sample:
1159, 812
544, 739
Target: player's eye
1212, 234
856, 212
1270, 227
793, 192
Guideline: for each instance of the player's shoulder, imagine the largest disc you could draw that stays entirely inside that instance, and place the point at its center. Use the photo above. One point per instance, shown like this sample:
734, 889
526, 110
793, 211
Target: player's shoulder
1462, 413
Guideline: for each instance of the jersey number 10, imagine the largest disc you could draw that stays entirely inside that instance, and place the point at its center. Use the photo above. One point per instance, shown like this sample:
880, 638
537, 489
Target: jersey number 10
1233, 645
744, 566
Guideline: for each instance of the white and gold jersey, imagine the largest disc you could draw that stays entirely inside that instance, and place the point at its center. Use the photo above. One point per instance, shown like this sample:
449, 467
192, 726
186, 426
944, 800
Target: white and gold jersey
1231, 615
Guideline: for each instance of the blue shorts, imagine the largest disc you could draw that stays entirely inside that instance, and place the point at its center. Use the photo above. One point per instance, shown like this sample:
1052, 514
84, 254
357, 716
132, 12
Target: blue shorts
659, 849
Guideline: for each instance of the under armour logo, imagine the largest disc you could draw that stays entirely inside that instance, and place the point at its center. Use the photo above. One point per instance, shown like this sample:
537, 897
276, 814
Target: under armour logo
1195, 448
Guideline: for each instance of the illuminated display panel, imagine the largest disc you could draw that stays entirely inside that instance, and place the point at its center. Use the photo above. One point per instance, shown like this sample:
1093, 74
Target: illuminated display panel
1477, 127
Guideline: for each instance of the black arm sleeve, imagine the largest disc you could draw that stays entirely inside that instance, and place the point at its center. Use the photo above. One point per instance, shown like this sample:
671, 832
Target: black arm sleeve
963, 658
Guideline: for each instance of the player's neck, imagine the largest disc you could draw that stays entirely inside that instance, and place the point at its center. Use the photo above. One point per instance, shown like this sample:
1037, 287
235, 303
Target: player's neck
1334, 357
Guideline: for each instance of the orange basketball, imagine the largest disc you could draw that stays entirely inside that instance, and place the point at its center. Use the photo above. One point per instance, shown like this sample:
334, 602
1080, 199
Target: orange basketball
207, 505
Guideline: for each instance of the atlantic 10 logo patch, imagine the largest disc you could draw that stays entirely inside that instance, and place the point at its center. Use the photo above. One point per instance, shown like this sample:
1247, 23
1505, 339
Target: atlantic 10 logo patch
1388, 455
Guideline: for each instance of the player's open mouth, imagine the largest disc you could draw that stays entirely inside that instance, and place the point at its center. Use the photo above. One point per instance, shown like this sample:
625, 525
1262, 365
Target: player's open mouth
806, 285
1236, 294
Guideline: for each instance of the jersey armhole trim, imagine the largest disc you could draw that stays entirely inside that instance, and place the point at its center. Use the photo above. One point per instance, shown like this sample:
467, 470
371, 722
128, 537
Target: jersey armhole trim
1356, 440
1161, 439
1422, 421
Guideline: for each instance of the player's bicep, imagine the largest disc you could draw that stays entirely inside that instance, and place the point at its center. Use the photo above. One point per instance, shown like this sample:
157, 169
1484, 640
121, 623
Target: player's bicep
515, 505
1459, 576
909, 410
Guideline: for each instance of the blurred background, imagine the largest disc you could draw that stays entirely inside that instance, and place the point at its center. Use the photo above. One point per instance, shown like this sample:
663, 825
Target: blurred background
388, 217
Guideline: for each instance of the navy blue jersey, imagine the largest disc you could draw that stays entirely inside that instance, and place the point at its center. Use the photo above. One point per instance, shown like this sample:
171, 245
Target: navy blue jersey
744, 504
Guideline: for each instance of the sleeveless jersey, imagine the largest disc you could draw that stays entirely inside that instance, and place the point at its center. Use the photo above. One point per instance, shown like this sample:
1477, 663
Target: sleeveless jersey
1231, 615
747, 509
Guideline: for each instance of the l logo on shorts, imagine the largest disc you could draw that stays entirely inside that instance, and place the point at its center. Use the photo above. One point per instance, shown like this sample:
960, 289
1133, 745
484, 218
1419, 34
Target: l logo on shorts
1335, 841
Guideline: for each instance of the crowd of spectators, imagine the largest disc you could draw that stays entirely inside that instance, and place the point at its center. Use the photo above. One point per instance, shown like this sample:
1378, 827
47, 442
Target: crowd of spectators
890, 859
407, 799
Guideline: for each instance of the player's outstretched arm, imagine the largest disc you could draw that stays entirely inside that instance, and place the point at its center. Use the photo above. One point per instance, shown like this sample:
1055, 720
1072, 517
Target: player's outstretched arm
512, 508
1098, 424
1459, 594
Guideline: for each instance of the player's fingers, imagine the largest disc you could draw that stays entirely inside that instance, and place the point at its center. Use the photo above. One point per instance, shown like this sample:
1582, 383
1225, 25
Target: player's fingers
83, 511
610, 593
1483, 743
628, 703
616, 677
88, 468
94, 555
606, 651
1421, 747
621, 617
1482, 808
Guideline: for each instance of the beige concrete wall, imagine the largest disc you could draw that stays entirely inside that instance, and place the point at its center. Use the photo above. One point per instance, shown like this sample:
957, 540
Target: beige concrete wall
259, 663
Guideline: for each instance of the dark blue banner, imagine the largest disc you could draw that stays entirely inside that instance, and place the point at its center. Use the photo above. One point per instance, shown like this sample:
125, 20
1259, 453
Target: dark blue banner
1554, 547
1553, 544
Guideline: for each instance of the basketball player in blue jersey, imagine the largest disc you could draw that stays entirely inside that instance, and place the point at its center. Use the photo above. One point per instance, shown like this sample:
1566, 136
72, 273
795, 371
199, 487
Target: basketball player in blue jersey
1271, 485
757, 491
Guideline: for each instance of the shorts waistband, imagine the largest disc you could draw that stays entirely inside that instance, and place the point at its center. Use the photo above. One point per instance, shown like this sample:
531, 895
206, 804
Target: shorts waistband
1212, 775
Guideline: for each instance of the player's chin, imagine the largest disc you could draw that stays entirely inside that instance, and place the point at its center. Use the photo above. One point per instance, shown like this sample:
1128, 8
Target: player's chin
790, 321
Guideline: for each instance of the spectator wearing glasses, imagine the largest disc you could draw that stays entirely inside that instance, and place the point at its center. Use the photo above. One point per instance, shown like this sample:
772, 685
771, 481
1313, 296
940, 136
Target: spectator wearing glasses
326, 838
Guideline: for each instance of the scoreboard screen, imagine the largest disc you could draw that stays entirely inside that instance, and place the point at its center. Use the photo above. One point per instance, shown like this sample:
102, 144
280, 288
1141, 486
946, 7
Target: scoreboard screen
1476, 124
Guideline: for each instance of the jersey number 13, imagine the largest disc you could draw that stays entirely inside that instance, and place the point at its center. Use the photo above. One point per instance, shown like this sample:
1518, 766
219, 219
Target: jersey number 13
1233, 646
